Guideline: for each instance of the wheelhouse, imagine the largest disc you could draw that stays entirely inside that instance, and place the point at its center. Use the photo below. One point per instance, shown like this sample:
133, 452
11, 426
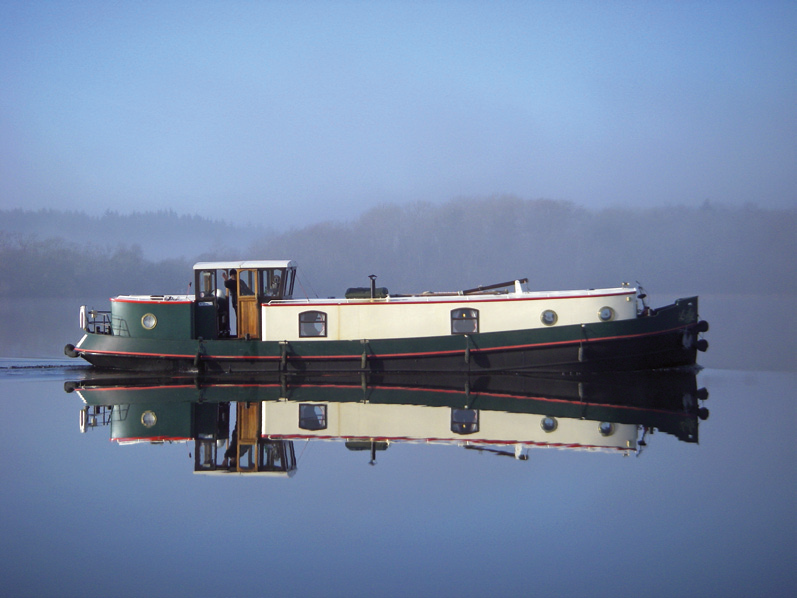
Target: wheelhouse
228, 295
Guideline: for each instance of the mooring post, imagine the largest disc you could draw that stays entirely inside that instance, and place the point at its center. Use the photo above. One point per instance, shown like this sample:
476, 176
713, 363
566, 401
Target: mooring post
283, 355
364, 357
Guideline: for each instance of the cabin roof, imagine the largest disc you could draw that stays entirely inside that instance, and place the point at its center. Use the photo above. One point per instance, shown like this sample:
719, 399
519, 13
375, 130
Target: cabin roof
254, 264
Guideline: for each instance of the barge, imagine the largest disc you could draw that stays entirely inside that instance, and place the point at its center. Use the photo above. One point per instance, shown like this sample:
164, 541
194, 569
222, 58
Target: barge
243, 317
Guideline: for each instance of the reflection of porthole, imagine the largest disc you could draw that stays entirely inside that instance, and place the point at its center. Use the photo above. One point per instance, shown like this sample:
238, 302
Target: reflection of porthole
606, 313
549, 424
149, 321
549, 317
149, 419
606, 428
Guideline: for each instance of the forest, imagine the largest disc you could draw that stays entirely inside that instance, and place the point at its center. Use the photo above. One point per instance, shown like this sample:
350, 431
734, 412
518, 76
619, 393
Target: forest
422, 246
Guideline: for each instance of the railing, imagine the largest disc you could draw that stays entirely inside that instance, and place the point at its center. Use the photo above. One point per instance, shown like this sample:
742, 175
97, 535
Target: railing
95, 321
94, 416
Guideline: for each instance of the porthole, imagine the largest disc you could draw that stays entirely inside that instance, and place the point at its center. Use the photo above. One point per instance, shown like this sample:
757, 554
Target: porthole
549, 424
149, 321
606, 428
149, 419
549, 317
606, 313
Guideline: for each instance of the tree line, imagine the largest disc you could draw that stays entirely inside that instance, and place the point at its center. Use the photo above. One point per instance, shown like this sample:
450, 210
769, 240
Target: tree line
556, 244
459, 244
54, 267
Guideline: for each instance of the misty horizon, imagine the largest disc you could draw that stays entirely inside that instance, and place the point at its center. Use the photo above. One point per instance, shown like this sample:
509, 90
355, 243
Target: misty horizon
291, 109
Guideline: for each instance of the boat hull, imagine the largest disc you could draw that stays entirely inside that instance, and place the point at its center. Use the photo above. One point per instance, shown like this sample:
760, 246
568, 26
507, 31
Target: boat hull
665, 400
667, 338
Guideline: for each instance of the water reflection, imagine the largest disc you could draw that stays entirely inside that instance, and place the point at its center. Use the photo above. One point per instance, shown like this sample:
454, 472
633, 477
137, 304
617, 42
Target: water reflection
249, 425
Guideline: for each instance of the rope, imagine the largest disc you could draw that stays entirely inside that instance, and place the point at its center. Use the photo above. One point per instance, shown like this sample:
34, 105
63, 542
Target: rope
302, 453
299, 280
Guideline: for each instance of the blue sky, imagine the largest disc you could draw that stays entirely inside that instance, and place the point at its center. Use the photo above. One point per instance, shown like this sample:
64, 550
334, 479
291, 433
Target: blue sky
297, 112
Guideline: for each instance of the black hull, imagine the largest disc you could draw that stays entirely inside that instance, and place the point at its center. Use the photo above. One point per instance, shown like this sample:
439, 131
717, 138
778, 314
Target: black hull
665, 400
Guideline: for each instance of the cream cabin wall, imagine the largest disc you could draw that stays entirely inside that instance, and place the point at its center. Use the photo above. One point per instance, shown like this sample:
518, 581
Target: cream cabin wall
403, 319
360, 420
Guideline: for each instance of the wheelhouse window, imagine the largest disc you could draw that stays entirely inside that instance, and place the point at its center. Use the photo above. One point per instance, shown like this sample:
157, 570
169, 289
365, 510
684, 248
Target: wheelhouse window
205, 284
273, 281
246, 283
464, 321
312, 417
312, 324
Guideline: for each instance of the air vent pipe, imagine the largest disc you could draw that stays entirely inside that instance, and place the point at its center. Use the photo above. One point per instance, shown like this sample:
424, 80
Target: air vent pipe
373, 285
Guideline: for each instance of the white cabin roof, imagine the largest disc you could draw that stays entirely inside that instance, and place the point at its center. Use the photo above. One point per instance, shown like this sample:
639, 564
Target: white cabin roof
253, 264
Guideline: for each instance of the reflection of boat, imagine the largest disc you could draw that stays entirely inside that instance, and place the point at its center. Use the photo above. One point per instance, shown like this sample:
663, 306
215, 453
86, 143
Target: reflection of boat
505, 414
497, 328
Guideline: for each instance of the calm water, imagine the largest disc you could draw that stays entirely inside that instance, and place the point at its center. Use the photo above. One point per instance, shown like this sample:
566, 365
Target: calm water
85, 516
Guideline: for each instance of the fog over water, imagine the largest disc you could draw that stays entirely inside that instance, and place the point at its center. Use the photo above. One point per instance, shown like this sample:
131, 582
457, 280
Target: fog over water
89, 517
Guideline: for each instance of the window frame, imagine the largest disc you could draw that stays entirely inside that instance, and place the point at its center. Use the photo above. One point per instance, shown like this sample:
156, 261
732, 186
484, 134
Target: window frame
465, 421
323, 420
324, 321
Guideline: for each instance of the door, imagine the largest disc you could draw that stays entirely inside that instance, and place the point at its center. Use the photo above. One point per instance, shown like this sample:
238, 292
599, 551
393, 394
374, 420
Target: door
247, 418
248, 305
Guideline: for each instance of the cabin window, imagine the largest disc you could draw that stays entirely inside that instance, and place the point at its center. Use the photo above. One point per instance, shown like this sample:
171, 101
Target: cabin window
312, 417
464, 421
464, 321
312, 324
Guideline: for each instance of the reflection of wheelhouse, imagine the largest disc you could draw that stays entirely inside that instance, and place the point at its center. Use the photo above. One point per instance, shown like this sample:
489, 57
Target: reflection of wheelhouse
248, 452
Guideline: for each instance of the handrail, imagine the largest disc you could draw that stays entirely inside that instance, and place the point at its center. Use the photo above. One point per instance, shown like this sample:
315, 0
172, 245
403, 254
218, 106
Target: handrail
500, 285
